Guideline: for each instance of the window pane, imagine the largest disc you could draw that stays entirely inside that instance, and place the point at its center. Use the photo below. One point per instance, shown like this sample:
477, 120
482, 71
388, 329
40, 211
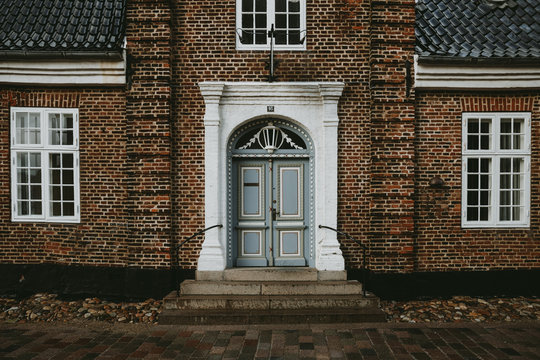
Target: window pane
518, 125
22, 176
55, 177
516, 213
472, 197
294, 5
56, 209
485, 182
484, 214
472, 126
67, 177
35, 176
67, 137
517, 164
54, 121
505, 182
54, 137
68, 193
23, 208
294, 21
485, 165
67, 122
472, 142
294, 37
485, 198
506, 126
260, 5
485, 142
506, 165
506, 142
260, 22
69, 209
281, 5
472, 214
55, 161
34, 136
506, 198
22, 159
247, 5
472, 181
35, 207
22, 192
260, 36
35, 192
281, 21
516, 181
504, 214
281, 37
67, 161
56, 193
472, 165
516, 197
485, 126
35, 159
247, 37
247, 21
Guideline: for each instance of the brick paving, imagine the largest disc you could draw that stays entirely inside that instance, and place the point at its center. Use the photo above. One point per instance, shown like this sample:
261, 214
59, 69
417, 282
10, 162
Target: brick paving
515, 340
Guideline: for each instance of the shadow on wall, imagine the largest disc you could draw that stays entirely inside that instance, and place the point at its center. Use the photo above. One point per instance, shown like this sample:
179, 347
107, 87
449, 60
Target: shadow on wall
111, 283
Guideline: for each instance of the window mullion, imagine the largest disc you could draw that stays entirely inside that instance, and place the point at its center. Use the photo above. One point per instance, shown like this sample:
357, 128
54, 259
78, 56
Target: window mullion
495, 192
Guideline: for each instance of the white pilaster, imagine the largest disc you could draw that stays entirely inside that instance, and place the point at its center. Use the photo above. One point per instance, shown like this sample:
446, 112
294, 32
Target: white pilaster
212, 256
330, 257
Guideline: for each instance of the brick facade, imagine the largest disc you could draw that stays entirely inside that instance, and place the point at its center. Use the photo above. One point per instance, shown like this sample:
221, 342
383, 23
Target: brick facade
142, 147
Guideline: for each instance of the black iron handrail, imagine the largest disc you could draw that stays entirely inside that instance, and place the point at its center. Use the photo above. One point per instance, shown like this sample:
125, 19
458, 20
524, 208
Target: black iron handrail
179, 246
365, 260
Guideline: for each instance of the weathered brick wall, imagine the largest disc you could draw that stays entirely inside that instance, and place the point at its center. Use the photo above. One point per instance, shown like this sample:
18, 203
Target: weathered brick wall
148, 133
392, 136
442, 245
101, 237
337, 50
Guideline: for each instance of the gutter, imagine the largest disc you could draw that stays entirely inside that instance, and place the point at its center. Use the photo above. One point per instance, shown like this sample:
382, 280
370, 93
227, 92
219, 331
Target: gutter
23, 54
492, 61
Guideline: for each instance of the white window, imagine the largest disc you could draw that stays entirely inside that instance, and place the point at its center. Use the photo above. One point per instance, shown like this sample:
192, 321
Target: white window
496, 169
254, 19
45, 165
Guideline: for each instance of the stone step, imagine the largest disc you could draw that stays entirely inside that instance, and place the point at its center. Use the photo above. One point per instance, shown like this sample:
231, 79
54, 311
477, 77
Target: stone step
196, 287
270, 274
314, 316
268, 302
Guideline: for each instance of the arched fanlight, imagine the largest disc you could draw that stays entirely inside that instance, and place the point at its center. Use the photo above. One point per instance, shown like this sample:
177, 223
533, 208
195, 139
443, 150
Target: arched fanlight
270, 138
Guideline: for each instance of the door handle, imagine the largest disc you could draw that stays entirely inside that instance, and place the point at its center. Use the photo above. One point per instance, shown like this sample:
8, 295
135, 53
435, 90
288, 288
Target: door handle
275, 213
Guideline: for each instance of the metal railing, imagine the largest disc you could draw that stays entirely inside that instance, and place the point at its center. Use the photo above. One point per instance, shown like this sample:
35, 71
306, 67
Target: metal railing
365, 260
177, 258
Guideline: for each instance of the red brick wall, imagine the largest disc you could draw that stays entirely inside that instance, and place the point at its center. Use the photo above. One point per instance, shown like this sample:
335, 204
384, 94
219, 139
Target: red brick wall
101, 236
441, 243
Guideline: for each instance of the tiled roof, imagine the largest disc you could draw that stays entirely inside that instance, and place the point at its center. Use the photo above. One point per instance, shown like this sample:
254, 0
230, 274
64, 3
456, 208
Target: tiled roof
478, 29
61, 25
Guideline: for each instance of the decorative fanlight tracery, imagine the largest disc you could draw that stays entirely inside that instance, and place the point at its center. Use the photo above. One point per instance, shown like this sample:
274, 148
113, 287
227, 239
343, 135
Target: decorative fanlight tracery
271, 138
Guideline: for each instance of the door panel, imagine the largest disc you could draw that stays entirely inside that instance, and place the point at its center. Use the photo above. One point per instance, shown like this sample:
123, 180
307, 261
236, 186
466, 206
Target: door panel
271, 221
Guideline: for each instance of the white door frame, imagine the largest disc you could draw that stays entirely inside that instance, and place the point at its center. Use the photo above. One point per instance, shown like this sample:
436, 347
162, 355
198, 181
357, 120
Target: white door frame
229, 105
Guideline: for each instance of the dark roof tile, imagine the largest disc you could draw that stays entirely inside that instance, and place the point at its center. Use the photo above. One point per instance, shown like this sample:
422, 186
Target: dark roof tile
63, 25
478, 29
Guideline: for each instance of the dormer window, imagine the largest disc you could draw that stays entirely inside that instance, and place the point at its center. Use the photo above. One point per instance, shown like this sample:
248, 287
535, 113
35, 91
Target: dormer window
254, 18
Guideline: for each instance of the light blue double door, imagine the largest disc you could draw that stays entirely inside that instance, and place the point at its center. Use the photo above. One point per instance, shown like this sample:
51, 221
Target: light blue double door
272, 215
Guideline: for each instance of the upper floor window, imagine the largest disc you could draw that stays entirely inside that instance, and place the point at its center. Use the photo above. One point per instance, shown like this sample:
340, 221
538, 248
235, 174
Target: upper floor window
496, 157
45, 164
254, 19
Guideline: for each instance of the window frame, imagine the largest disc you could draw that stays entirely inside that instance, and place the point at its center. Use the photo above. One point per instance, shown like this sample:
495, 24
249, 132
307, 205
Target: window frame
44, 149
495, 153
270, 19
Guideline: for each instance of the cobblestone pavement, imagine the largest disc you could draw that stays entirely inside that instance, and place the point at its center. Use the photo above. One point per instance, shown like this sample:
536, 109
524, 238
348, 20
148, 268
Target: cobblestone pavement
86, 340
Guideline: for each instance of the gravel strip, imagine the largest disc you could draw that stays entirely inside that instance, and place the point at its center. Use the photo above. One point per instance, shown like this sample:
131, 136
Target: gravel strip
463, 308
47, 307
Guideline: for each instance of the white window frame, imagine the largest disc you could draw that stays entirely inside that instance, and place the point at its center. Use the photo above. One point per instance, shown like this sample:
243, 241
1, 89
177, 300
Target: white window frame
270, 19
45, 149
495, 154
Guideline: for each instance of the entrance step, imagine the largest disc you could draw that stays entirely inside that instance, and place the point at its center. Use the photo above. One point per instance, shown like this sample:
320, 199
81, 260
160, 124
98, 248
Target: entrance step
296, 316
195, 287
268, 302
